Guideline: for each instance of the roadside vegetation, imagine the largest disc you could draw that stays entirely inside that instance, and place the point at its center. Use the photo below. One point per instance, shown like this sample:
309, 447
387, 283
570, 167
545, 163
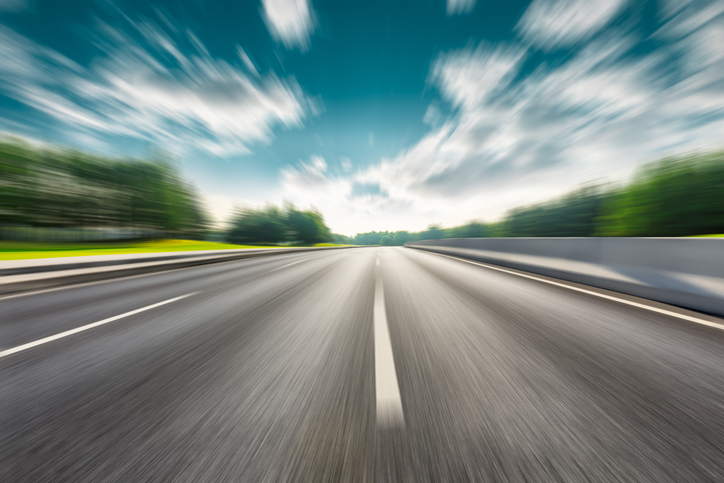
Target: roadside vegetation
70, 203
60, 202
28, 250
286, 225
677, 196
47, 188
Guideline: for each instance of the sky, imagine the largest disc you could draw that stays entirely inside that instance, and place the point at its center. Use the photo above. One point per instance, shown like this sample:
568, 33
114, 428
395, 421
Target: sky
383, 115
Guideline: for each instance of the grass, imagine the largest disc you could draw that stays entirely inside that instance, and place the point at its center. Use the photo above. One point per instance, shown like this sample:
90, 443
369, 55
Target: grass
708, 236
27, 250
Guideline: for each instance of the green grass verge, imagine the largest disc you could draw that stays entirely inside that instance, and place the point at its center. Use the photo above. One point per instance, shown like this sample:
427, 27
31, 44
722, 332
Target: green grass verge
23, 250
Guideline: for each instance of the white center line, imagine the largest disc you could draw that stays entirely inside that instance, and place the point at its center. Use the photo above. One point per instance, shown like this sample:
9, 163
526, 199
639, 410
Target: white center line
89, 326
595, 294
389, 403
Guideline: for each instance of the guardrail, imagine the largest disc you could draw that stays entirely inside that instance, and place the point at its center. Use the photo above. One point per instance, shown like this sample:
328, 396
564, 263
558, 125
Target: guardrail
688, 272
18, 276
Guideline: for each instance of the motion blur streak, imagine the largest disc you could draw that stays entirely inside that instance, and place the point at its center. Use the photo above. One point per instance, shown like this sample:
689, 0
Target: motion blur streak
389, 405
269, 375
67, 333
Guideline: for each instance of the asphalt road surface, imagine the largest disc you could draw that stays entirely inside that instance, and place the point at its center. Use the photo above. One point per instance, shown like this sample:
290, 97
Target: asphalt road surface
332, 366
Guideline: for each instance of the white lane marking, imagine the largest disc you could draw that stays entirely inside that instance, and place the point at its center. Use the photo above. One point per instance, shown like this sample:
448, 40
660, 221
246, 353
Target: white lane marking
389, 403
290, 264
89, 326
298, 261
595, 294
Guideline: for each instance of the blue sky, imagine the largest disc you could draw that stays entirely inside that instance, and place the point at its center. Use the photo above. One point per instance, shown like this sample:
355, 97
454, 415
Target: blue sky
381, 114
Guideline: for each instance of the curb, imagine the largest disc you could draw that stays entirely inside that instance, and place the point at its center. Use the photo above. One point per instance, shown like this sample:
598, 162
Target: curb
24, 279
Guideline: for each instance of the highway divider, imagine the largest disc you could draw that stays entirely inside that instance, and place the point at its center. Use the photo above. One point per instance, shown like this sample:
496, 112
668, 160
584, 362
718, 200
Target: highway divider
687, 272
17, 276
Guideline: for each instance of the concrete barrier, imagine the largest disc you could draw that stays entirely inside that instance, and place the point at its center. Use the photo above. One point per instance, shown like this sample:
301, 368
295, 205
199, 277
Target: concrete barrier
688, 272
17, 276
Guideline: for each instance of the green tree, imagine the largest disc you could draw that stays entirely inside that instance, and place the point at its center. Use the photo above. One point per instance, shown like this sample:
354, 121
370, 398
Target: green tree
307, 226
401, 237
369, 238
251, 226
48, 187
679, 196
471, 230
433, 232
572, 215
340, 239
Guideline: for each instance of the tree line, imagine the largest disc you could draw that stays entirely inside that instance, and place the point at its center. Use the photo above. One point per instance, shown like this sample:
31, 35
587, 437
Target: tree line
45, 187
676, 196
274, 225
52, 194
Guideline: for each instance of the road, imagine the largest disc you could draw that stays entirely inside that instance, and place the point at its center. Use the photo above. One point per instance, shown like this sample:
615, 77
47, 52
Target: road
332, 366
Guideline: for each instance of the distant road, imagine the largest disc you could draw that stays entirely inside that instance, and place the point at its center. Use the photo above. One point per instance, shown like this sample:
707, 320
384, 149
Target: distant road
371, 364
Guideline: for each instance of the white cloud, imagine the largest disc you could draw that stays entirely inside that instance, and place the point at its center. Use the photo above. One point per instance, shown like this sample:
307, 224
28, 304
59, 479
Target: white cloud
310, 184
433, 115
515, 137
13, 5
221, 208
247, 61
687, 16
145, 87
291, 21
317, 165
562, 23
468, 77
460, 6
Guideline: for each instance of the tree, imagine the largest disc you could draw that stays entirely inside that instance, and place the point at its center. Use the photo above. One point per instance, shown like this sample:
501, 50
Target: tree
471, 230
341, 239
572, 215
369, 238
307, 226
258, 226
48, 187
679, 196
433, 232
401, 237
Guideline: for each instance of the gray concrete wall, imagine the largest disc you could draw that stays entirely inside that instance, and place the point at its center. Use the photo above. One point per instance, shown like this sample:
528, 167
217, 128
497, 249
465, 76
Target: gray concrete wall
688, 272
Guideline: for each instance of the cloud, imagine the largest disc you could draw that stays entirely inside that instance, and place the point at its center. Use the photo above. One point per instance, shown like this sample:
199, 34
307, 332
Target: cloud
562, 23
348, 202
468, 77
13, 5
290, 21
522, 130
222, 208
144, 86
311, 184
455, 7
247, 61
317, 165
